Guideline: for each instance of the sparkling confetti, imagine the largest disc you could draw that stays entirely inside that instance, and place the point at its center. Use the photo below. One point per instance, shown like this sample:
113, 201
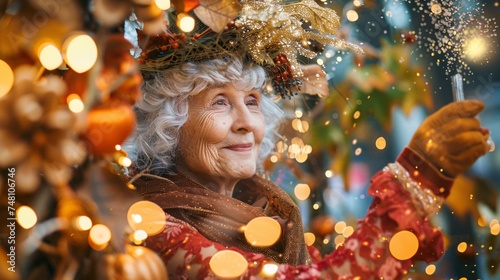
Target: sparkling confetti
458, 33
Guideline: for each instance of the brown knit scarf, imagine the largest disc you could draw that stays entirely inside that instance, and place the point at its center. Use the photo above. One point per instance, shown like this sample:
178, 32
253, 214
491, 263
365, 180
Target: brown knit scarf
220, 218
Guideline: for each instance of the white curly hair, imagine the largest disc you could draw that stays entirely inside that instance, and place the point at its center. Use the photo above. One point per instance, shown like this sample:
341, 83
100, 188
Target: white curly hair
163, 108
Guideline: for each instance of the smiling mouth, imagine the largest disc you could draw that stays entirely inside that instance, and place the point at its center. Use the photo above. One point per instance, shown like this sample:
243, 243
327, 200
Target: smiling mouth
240, 147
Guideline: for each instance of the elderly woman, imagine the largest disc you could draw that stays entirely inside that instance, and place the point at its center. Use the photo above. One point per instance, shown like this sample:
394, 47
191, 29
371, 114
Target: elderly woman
204, 127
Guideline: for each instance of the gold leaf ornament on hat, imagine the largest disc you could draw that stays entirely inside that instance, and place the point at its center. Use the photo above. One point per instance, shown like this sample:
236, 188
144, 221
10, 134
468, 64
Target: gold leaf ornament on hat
271, 33
270, 28
216, 14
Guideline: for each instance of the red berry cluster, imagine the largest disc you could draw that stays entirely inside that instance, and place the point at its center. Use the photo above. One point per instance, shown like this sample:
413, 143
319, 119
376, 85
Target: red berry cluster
231, 25
283, 70
161, 43
283, 81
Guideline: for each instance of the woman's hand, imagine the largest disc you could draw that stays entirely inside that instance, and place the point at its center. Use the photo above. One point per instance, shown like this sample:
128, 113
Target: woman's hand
452, 138
313, 80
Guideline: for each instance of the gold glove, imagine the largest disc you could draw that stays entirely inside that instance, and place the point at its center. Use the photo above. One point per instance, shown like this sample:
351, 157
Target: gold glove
452, 138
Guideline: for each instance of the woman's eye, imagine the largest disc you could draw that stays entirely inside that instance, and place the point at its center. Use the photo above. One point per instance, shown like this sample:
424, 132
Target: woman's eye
219, 102
253, 102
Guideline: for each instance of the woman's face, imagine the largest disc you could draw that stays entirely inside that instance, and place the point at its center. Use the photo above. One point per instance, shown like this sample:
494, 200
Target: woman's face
223, 133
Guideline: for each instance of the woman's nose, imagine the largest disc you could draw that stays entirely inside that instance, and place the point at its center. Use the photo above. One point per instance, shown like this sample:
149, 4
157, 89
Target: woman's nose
244, 120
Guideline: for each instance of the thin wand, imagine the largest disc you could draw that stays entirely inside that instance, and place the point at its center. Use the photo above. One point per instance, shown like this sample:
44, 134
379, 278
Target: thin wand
458, 95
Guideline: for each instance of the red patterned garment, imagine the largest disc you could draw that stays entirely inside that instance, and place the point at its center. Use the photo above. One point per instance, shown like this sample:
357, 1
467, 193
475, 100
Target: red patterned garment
405, 194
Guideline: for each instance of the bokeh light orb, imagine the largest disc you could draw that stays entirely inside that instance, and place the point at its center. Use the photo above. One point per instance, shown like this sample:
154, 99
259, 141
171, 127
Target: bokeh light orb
380, 143
462, 247
99, 237
80, 52
185, 22
403, 245
83, 223
6, 79
50, 56
269, 269
163, 4
146, 216
309, 238
352, 15
340, 227
75, 103
26, 217
302, 191
228, 264
262, 232
430, 269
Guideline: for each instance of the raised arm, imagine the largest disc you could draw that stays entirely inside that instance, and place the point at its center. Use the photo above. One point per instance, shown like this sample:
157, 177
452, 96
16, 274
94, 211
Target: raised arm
405, 194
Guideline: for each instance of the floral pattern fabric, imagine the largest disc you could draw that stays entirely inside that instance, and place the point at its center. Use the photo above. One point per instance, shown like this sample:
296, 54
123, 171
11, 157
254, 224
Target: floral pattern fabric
364, 255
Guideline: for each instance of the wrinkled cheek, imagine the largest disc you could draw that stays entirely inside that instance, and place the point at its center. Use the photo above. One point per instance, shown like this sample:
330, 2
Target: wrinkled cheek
203, 159
217, 132
210, 159
197, 157
259, 133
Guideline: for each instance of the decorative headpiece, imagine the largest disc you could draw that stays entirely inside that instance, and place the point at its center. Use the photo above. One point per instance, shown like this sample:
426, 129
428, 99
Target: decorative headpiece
271, 33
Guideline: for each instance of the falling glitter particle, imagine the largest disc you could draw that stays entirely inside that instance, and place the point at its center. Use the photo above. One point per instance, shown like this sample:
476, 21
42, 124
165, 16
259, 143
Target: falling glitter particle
462, 247
495, 229
430, 269
380, 143
436, 8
